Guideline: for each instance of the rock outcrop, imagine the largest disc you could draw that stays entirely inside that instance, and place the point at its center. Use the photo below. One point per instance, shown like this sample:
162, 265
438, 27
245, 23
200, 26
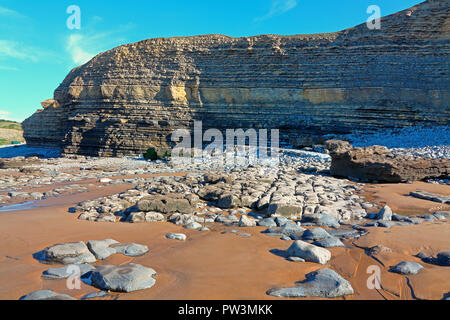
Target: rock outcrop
133, 96
377, 163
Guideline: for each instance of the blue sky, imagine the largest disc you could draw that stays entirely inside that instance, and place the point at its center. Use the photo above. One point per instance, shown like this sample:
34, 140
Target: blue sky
37, 50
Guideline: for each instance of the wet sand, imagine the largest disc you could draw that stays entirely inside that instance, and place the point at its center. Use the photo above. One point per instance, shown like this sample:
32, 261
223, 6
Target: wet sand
212, 265
397, 197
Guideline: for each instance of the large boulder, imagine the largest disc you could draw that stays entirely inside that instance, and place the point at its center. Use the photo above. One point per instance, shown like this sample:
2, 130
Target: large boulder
407, 267
166, 204
127, 278
323, 283
377, 163
309, 252
46, 295
66, 253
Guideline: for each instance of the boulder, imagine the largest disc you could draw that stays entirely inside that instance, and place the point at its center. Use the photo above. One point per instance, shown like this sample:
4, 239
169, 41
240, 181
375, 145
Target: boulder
46, 295
309, 252
385, 214
67, 253
407, 267
176, 236
315, 234
101, 248
67, 271
165, 204
246, 221
126, 278
323, 283
131, 249
377, 163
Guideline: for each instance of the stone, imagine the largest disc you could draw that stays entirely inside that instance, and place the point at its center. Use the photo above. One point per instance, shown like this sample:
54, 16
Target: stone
165, 204
46, 295
267, 222
286, 210
330, 242
101, 248
443, 258
67, 271
245, 221
379, 249
315, 234
309, 252
385, 214
202, 79
95, 295
377, 163
67, 253
407, 267
442, 215
323, 283
176, 236
131, 249
193, 226
323, 220
295, 259
126, 278
281, 221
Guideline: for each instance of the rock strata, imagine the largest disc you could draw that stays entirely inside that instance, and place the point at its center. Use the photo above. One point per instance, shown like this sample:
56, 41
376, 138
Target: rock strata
379, 164
132, 97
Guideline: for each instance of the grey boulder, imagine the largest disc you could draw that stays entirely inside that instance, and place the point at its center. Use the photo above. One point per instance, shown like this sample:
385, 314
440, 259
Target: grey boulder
127, 278
323, 283
67, 253
46, 295
67, 271
176, 236
131, 249
309, 252
101, 248
315, 234
330, 242
407, 267
385, 214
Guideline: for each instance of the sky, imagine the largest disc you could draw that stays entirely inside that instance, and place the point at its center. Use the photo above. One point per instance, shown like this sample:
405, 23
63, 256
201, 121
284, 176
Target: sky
38, 49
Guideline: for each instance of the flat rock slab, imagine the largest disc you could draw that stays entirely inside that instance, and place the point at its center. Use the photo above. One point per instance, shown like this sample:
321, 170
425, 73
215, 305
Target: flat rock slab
131, 249
315, 234
46, 295
176, 236
309, 252
67, 253
67, 271
407, 267
95, 295
127, 278
101, 248
330, 242
323, 283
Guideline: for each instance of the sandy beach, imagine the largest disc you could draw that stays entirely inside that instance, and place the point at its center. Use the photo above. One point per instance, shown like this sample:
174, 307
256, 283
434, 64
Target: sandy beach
218, 265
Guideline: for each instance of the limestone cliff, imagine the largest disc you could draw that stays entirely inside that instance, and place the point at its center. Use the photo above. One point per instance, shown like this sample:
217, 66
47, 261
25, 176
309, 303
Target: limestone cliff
135, 95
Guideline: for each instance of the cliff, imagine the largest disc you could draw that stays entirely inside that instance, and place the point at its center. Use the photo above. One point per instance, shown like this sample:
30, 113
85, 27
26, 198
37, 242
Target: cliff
134, 96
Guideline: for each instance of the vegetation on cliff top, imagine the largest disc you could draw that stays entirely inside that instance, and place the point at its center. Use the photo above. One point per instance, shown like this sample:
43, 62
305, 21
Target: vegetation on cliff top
10, 131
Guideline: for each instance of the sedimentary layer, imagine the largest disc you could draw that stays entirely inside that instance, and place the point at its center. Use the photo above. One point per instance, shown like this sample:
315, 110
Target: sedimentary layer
134, 96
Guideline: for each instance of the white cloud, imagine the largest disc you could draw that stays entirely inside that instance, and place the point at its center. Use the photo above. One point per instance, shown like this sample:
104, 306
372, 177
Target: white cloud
10, 13
13, 49
4, 113
82, 47
75, 46
8, 68
278, 7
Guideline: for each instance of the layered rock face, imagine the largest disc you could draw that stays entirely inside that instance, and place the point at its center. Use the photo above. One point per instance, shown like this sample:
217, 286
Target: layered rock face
134, 96
377, 163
